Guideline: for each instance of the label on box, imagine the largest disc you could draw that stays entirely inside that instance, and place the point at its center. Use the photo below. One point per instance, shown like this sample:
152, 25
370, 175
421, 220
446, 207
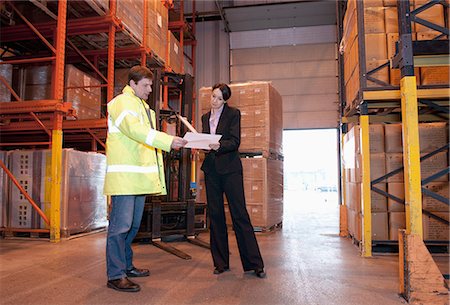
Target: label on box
87, 82
159, 18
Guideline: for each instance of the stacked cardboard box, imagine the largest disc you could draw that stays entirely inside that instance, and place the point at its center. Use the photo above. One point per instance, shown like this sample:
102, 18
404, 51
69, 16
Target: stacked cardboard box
263, 188
85, 95
175, 54
353, 178
83, 205
386, 156
85, 99
431, 137
261, 116
157, 29
261, 133
380, 35
131, 14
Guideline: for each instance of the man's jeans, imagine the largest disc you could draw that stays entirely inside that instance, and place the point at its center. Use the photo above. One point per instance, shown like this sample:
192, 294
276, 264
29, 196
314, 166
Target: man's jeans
124, 221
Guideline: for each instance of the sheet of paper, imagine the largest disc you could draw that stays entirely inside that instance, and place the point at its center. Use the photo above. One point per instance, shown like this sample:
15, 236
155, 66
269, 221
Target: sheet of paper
187, 124
201, 140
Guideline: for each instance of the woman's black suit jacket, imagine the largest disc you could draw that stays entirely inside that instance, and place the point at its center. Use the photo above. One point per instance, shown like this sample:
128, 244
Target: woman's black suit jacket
225, 160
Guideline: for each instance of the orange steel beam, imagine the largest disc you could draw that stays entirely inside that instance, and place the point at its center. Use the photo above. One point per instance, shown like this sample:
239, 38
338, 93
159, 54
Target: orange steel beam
24, 143
72, 125
40, 123
27, 60
111, 50
87, 60
22, 190
144, 36
10, 89
96, 138
36, 106
49, 45
79, 26
92, 86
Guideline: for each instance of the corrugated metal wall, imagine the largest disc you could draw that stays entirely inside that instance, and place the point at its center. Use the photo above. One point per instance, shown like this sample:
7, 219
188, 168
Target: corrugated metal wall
302, 65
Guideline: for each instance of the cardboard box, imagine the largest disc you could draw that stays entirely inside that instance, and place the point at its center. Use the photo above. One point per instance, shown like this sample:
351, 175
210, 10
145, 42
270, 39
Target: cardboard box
394, 161
397, 221
379, 202
157, 29
431, 204
434, 229
432, 136
131, 15
175, 54
375, 47
263, 187
434, 14
434, 76
398, 190
353, 196
354, 224
380, 226
374, 20
433, 165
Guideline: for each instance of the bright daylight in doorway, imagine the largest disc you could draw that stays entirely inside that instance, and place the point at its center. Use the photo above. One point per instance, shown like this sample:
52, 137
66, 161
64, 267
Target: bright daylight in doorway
311, 164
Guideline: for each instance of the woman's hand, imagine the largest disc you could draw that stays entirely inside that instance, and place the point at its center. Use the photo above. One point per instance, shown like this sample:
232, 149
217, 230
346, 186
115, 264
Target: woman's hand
214, 146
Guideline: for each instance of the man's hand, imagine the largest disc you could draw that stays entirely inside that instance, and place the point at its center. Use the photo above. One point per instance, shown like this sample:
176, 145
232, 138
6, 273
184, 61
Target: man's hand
178, 142
215, 146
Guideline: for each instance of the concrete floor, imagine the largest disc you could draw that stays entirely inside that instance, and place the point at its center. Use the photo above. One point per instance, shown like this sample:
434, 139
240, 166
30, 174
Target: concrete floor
306, 263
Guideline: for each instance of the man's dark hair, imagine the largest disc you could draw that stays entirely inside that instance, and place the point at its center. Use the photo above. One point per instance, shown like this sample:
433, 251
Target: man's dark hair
226, 91
139, 72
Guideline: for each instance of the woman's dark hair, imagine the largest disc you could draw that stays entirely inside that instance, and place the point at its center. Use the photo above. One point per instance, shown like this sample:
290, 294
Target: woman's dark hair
139, 72
226, 91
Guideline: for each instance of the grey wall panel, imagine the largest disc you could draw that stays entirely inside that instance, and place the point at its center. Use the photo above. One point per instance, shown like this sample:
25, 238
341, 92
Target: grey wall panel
312, 102
282, 37
309, 120
283, 54
319, 85
212, 60
272, 71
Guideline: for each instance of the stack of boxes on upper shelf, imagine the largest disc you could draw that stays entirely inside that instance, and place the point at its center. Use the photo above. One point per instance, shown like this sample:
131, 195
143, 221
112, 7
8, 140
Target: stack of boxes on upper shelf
83, 205
380, 35
386, 156
35, 83
261, 150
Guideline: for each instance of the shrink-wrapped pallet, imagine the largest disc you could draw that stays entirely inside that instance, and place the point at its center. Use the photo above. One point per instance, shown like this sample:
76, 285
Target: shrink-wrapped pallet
82, 206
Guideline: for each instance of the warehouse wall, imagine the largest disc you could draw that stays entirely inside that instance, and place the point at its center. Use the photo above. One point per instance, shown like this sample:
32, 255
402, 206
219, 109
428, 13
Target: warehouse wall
212, 61
301, 63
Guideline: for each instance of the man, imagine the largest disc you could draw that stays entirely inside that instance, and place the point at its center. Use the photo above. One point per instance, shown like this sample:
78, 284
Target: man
134, 169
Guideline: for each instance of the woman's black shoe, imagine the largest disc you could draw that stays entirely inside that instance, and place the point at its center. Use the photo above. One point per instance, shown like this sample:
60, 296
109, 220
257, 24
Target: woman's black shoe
220, 270
259, 272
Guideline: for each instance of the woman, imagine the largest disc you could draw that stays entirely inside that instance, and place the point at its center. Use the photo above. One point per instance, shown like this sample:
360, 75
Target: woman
223, 174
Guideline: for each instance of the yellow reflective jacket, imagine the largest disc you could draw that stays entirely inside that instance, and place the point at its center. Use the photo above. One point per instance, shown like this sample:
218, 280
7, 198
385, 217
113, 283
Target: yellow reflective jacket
133, 148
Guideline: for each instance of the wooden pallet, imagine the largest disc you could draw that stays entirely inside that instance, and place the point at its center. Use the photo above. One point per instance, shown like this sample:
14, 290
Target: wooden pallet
265, 154
272, 228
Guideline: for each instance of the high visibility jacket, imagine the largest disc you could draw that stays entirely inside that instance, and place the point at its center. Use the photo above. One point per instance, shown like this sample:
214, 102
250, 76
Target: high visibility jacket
133, 148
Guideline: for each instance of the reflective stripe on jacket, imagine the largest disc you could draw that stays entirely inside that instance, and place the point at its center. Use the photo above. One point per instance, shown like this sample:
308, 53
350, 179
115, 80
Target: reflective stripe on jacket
131, 148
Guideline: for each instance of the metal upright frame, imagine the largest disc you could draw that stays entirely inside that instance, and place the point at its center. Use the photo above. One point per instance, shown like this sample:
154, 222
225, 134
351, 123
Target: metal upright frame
47, 116
378, 105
